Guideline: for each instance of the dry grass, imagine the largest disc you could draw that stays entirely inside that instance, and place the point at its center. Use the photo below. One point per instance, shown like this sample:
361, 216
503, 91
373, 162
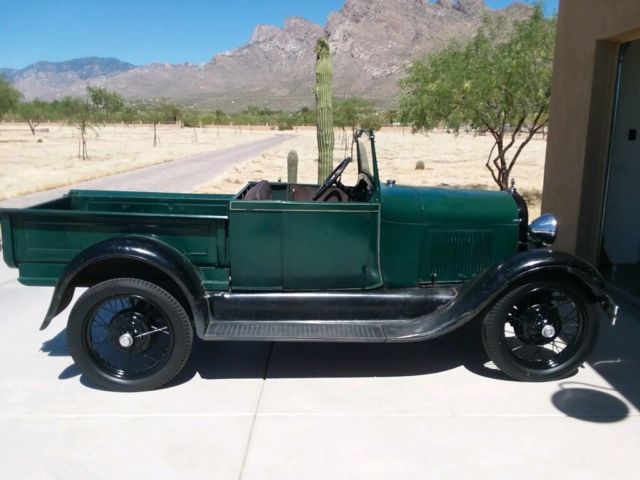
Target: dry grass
27, 166
449, 161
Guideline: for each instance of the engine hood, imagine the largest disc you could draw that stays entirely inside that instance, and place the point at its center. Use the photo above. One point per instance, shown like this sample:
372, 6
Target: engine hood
440, 206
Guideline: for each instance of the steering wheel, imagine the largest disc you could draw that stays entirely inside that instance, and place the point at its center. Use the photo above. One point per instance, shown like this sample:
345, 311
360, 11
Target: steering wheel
332, 178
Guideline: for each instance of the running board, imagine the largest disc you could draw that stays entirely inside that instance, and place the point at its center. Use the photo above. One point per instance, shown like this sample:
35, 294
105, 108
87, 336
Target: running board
298, 331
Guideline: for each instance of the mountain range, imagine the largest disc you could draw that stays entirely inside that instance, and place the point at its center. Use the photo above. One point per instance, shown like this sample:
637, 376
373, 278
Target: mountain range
372, 42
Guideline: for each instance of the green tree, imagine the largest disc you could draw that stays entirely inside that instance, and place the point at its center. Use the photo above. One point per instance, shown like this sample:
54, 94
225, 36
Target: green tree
9, 96
355, 113
34, 113
169, 113
56, 111
220, 117
129, 114
391, 116
162, 113
305, 116
498, 85
80, 113
105, 101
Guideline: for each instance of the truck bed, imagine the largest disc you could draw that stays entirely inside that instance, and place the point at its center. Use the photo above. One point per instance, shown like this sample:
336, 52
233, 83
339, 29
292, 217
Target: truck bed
41, 240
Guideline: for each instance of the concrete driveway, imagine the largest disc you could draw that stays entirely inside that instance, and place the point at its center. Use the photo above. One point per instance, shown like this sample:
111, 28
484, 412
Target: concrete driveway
306, 411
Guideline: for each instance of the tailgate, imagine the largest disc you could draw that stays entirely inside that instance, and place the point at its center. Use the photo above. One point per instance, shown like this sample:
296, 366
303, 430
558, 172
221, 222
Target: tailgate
6, 239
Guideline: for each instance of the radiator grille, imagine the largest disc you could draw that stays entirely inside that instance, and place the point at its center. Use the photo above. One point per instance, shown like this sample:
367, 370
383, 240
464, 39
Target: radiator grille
450, 254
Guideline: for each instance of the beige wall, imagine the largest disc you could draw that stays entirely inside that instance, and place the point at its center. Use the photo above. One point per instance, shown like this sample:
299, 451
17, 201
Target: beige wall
589, 36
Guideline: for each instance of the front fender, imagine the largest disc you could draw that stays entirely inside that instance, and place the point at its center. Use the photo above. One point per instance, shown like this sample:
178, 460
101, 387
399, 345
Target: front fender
490, 285
147, 250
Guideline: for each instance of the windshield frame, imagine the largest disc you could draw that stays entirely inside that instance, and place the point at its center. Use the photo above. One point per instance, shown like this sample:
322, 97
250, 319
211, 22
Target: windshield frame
370, 168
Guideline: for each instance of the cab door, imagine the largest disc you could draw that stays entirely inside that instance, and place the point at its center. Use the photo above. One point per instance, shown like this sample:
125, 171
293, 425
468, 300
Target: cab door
330, 246
293, 246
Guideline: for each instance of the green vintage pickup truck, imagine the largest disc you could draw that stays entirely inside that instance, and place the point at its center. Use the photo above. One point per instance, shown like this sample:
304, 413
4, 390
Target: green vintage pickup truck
370, 262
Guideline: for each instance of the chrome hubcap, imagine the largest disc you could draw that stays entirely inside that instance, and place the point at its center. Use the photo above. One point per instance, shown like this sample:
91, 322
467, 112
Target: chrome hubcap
548, 331
125, 340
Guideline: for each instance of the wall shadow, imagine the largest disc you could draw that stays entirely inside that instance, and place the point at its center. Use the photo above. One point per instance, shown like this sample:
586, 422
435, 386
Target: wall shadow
617, 360
617, 354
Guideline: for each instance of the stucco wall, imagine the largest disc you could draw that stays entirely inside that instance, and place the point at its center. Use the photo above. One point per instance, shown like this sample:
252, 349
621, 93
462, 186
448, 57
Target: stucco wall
587, 45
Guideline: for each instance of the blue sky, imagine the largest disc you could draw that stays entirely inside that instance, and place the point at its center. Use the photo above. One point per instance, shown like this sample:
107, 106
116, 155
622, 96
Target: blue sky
145, 31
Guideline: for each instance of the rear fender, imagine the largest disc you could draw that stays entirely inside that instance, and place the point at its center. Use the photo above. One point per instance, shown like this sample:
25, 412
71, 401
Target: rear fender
145, 250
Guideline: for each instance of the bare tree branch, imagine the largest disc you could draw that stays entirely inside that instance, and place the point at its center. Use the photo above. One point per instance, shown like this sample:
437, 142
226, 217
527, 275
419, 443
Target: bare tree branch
524, 143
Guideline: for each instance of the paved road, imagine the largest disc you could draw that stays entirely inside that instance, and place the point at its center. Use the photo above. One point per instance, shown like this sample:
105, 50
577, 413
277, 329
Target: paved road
178, 176
313, 411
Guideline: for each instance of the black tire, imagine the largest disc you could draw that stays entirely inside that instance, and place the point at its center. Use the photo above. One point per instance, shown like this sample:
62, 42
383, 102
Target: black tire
122, 311
515, 339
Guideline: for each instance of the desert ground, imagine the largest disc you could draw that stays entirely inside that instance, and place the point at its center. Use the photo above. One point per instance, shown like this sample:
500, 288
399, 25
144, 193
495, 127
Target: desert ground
49, 159
29, 165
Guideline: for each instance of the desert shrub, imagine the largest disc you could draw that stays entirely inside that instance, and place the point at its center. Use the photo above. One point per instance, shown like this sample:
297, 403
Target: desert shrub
285, 124
419, 165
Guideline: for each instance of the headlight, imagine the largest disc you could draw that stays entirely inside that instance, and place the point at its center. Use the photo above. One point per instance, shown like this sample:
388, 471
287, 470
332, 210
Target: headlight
544, 229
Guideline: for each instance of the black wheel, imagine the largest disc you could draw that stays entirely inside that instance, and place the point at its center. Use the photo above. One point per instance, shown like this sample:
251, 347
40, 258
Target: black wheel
129, 335
541, 331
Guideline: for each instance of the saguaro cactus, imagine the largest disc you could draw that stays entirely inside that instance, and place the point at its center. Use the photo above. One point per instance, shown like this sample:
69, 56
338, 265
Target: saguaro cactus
324, 109
292, 167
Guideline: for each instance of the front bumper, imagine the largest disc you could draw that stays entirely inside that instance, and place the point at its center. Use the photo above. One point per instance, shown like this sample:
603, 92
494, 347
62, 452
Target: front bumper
611, 308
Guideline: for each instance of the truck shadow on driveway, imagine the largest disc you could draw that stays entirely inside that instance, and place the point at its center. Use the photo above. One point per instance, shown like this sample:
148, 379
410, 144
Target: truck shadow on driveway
616, 359
226, 360
327, 360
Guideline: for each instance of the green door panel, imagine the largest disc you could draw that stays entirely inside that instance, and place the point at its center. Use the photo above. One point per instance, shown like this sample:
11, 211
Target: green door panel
278, 245
334, 248
255, 239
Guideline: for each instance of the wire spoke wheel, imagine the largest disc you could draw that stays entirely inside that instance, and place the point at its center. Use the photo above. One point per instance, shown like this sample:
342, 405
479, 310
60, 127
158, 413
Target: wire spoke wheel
129, 335
544, 328
541, 330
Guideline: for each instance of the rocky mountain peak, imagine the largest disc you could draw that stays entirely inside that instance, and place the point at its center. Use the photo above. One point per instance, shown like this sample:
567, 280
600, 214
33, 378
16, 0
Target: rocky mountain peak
372, 42
465, 6
472, 6
264, 33
302, 28
295, 28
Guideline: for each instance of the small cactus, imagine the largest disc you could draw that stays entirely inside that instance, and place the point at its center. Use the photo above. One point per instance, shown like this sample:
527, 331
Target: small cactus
292, 167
